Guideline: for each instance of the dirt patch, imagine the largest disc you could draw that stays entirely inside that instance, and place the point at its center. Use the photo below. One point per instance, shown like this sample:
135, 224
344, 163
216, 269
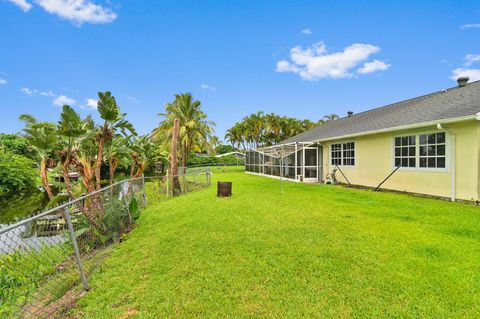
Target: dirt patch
45, 309
130, 313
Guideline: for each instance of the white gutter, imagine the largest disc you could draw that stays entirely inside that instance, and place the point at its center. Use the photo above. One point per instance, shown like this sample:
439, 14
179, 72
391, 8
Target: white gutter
453, 165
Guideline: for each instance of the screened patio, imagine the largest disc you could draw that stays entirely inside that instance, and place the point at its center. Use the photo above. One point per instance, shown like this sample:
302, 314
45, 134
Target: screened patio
293, 161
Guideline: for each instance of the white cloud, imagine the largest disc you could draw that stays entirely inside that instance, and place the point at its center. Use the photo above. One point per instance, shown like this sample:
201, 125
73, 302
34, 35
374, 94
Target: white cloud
62, 100
473, 74
306, 31
133, 99
78, 11
285, 66
47, 93
3, 81
90, 104
208, 87
466, 70
470, 26
35, 92
28, 91
22, 4
315, 62
472, 58
374, 66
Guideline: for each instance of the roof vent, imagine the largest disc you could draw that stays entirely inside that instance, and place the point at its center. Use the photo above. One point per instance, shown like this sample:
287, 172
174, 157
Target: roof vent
349, 113
462, 81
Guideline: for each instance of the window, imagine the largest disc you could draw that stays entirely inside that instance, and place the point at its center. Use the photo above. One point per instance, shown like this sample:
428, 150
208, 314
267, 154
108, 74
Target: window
336, 154
343, 154
432, 150
405, 151
349, 154
423, 151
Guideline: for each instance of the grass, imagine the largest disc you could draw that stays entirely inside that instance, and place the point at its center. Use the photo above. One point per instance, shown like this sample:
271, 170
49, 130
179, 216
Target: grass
313, 251
21, 275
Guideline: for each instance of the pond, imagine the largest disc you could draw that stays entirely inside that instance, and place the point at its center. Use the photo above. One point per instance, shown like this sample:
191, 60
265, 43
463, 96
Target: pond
22, 205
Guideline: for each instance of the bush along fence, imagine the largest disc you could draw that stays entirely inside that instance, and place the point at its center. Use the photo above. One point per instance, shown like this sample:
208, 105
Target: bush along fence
46, 260
224, 167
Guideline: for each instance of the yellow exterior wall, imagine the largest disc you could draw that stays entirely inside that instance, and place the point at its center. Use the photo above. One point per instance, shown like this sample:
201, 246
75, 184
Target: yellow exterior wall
374, 161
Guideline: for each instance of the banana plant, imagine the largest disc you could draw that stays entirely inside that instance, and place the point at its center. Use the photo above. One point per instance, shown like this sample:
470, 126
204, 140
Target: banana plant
72, 130
117, 154
43, 138
113, 121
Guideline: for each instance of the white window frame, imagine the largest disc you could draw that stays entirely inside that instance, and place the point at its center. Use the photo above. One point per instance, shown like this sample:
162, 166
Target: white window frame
408, 149
341, 151
417, 167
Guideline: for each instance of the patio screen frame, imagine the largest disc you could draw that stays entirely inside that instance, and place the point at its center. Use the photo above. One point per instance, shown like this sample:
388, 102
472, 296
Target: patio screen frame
284, 161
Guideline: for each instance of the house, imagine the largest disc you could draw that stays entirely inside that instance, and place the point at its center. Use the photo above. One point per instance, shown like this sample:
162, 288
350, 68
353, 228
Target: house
429, 144
236, 154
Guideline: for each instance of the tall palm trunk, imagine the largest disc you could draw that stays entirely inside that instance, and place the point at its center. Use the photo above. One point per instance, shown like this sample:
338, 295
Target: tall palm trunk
177, 189
141, 169
98, 162
132, 170
113, 167
43, 172
89, 209
84, 168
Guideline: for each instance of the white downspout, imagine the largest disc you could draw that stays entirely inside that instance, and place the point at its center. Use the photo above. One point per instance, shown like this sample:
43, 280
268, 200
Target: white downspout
453, 165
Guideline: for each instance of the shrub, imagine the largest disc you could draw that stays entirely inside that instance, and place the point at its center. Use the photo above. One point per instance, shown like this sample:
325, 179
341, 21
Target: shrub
212, 160
17, 174
16, 144
223, 148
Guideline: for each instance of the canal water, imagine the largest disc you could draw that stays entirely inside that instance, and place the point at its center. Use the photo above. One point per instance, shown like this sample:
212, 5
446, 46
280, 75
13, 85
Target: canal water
22, 205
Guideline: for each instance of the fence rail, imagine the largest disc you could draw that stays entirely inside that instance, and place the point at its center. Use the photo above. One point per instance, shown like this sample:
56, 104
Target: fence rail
224, 167
46, 260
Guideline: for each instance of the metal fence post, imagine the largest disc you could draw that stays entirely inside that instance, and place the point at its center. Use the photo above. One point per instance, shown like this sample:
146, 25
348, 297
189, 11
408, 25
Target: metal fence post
208, 175
185, 182
168, 184
75, 249
144, 191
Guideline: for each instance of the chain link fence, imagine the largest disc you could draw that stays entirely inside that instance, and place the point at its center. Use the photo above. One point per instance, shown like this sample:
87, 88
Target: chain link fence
47, 259
213, 168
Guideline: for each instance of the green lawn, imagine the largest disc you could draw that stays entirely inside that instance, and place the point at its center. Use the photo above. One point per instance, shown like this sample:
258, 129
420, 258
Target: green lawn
313, 251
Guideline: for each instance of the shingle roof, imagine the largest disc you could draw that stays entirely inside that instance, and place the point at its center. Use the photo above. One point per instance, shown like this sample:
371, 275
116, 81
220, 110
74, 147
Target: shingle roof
451, 103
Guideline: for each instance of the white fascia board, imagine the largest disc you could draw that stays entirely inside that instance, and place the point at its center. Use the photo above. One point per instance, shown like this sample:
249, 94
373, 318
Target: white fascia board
404, 127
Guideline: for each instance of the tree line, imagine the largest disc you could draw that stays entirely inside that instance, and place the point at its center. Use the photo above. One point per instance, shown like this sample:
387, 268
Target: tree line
260, 129
97, 152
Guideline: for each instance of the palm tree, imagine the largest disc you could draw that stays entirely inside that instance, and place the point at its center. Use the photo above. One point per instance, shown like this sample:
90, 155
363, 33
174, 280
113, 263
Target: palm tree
43, 138
260, 129
330, 117
236, 135
213, 143
195, 130
113, 121
176, 188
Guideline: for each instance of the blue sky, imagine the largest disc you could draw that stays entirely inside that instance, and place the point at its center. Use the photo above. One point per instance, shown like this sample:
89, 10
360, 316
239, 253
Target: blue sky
298, 58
